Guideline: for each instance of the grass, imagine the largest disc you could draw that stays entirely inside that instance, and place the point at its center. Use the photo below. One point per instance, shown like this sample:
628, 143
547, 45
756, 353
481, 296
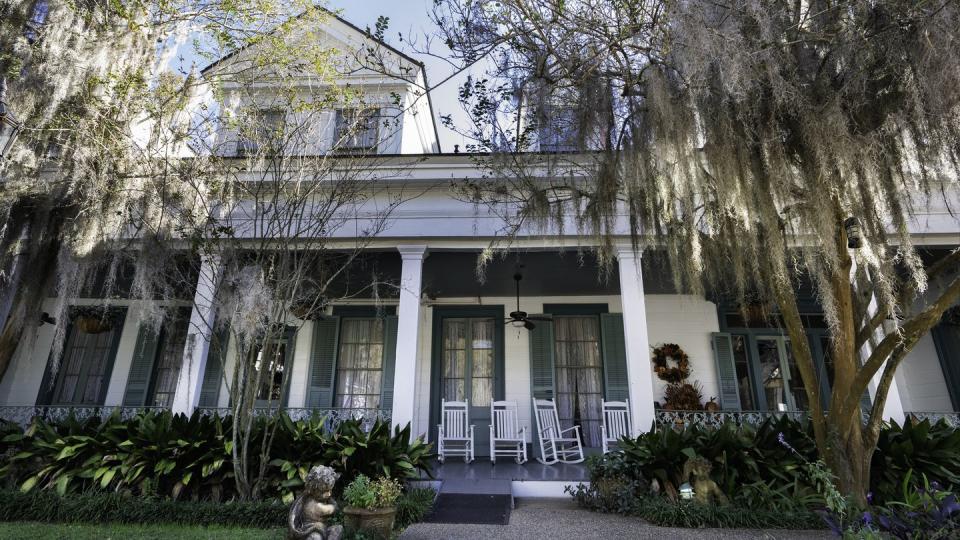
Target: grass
48, 531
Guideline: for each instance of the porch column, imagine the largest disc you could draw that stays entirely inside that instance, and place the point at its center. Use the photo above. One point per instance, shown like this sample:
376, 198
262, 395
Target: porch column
408, 334
639, 373
199, 333
893, 407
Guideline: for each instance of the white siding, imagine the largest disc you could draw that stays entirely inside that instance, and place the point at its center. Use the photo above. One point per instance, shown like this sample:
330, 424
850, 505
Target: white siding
920, 380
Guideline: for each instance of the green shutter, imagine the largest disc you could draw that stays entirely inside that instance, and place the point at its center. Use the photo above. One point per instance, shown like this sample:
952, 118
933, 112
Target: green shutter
141, 368
216, 358
323, 362
389, 361
541, 360
614, 357
726, 371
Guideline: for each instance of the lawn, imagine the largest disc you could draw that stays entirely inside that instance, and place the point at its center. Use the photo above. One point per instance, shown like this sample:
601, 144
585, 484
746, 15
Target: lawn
47, 531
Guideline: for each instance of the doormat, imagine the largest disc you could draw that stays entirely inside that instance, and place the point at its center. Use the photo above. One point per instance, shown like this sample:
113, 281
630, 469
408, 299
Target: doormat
470, 508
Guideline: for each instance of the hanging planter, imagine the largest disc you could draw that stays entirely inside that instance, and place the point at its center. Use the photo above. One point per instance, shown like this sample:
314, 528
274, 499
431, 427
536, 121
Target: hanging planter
92, 320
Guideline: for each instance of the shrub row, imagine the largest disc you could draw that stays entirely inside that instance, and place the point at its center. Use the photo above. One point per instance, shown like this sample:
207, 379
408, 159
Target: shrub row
766, 465
99, 507
48, 507
175, 456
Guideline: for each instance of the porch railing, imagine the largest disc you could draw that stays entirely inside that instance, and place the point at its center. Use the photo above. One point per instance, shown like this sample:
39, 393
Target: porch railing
680, 420
24, 414
332, 416
951, 418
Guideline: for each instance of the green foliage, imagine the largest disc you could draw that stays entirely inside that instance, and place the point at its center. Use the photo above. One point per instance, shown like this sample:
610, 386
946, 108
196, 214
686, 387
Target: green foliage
413, 506
929, 450
659, 511
365, 493
740, 456
46, 506
73, 531
191, 457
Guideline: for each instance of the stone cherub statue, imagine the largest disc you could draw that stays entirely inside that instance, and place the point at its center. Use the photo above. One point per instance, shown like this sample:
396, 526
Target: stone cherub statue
705, 490
314, 507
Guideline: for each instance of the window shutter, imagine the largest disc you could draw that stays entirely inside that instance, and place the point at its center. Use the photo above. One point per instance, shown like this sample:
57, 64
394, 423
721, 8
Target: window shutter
389, 361
541, 360
323, 362
216, 358
614, 357
726, 371
141, 368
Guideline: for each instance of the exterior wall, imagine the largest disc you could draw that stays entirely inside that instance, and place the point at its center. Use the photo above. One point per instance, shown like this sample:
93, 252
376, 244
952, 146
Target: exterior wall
920, 380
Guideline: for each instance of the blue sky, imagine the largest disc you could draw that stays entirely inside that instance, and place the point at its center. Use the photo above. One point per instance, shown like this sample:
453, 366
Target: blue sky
410, 17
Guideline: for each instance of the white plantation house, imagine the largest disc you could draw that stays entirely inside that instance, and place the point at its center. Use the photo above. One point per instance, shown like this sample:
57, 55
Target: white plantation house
445, 336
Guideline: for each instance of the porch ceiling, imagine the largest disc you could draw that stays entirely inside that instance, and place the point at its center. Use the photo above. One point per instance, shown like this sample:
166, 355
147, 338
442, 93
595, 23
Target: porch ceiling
545, 273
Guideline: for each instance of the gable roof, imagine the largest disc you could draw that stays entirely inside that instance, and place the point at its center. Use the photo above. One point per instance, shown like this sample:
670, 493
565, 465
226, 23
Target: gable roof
366, 34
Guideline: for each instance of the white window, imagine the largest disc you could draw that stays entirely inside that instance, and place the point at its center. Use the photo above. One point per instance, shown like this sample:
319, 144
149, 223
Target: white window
356, 131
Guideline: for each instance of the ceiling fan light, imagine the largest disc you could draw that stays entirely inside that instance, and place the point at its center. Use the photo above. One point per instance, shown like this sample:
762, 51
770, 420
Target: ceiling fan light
518, 323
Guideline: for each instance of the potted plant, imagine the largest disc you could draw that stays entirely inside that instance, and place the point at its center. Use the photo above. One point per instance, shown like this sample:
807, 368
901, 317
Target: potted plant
371, 505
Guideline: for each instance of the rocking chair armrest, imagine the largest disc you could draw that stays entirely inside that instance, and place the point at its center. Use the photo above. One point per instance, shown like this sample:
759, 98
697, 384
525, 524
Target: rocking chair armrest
574, 428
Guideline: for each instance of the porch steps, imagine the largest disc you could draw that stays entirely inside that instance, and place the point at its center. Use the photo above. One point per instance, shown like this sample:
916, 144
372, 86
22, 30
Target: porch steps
473, 500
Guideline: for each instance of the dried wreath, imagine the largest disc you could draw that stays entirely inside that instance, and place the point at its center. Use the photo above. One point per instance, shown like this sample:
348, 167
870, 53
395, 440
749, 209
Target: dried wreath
671, 351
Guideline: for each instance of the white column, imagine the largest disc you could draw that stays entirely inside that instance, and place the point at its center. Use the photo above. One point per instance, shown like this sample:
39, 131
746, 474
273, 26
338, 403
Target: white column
408, 333
639, 372
893, 406
199, 334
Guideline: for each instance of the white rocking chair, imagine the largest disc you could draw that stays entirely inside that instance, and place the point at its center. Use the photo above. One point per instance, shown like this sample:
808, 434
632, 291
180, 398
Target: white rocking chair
616, 423
556, 445
507, 438
455, 433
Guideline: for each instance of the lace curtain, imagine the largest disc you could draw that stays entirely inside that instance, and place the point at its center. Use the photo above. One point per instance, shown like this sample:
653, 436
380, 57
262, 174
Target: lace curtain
579, 375
360, 364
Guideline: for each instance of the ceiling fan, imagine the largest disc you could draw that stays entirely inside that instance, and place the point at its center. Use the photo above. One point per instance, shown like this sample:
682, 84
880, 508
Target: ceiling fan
520, 318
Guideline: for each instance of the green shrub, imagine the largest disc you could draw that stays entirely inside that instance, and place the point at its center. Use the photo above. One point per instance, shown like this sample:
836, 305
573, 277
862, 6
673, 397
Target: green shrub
191, 457
664, 513
48, 507
99, 507
926, 450
413, 506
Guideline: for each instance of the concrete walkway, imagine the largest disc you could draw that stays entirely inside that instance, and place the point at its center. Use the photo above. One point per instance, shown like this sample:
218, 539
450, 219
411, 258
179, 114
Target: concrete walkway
556, 519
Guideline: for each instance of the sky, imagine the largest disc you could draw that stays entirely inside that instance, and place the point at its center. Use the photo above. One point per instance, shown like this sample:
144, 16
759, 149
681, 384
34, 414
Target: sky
410, 17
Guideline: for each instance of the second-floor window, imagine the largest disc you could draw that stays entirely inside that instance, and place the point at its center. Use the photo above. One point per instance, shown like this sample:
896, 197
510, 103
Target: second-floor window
264, 132
356, 130
559, 131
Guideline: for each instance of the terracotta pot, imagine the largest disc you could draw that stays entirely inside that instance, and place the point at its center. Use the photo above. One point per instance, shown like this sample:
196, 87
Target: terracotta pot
377, 521
92, 325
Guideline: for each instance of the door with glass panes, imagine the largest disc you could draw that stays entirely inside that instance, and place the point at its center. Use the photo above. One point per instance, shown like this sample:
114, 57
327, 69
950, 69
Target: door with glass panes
780, 379
468, 369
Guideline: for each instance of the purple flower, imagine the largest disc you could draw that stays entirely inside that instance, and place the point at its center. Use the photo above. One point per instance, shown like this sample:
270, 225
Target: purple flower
869, 497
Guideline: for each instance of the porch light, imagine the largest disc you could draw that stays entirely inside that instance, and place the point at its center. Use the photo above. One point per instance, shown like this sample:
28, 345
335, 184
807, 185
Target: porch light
854, 233
686, 491
9, 126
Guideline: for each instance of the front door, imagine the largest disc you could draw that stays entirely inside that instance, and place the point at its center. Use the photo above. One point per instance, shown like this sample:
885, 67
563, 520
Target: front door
468, 369
780, 376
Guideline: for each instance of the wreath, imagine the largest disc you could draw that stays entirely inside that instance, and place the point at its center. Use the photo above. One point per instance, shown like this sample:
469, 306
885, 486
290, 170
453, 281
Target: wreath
671, 374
